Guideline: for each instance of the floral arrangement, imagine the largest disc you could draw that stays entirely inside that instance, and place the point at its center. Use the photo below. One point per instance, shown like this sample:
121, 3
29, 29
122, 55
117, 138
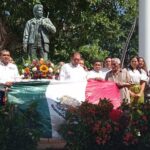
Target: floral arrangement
40, 69
91, 126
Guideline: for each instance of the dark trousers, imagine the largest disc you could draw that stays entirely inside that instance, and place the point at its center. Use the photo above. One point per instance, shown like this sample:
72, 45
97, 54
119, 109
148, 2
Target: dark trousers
37, 52
2, 97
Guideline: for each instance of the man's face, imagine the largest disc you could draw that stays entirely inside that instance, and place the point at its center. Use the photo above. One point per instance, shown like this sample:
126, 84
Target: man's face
81, 63
75, 60
39, 12
115, 66
97, 66
5, 57
108, 63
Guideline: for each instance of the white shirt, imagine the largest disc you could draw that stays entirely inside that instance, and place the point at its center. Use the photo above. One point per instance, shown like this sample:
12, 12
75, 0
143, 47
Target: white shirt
104, 72
73, 73
136, 76
93, 74
8, 73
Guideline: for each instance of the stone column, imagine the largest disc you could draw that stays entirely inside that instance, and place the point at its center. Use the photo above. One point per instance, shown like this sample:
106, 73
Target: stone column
144, 30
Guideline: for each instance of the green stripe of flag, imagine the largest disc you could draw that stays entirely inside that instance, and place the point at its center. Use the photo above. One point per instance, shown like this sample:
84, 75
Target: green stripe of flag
25, 93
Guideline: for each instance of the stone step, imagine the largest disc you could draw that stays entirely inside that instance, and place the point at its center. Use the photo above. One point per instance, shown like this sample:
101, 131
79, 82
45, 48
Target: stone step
51, 144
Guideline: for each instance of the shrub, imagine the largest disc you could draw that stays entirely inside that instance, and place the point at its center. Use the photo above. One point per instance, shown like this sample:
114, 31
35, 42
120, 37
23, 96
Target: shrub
100, 127
19, 129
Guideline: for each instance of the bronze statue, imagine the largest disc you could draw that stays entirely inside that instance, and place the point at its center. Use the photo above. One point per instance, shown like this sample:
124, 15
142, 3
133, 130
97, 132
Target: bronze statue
36, 34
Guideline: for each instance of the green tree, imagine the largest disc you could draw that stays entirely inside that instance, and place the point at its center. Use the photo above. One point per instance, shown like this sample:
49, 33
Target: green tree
79, 23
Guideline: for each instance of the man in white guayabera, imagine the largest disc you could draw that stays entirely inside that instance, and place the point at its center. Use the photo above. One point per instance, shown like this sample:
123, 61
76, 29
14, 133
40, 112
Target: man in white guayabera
8, 72
73, 71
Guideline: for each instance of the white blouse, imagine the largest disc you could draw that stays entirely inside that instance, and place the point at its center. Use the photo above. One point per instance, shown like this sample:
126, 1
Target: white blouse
137, 77
105, 71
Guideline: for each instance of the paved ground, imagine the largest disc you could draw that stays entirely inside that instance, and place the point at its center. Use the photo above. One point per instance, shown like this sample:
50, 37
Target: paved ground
51, 144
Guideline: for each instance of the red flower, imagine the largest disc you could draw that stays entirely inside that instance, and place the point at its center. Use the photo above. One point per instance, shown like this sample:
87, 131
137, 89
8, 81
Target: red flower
108, 127
144, 118
129, 138
27, 70
70, 133
98, 140
115, 114
96, 127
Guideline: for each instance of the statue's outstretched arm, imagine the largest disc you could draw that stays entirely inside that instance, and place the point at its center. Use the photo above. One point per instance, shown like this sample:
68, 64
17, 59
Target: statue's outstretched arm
26, 37
46, 22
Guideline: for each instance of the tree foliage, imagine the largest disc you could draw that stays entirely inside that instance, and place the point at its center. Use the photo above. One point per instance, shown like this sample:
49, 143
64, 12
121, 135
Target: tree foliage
79, 23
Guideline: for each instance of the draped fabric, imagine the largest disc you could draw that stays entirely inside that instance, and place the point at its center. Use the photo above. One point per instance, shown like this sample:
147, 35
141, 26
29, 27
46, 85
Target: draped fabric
96, 90
51, 96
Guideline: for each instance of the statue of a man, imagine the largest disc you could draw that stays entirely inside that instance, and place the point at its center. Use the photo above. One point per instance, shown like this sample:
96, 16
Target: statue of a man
36, 34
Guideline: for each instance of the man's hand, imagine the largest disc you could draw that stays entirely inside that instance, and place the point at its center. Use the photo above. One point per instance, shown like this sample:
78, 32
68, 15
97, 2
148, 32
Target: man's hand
9, 83
98, 79
121, 85
127, 85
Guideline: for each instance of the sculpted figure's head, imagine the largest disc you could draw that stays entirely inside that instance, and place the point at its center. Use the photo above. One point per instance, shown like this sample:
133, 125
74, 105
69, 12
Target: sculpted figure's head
38, 11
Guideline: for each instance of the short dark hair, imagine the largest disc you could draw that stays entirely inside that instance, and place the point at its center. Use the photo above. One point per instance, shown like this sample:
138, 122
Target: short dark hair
75, 53
107, 58
95, 61
3, 51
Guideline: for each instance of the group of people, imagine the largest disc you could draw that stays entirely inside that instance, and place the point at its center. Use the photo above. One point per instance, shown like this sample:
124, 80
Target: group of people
131, 81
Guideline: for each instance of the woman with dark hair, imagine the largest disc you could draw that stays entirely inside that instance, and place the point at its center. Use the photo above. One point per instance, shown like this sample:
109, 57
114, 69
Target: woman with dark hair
142, 64
138, 79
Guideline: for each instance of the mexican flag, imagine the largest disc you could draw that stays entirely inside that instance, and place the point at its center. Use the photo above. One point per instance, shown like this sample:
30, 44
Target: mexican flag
52, 97
48, 95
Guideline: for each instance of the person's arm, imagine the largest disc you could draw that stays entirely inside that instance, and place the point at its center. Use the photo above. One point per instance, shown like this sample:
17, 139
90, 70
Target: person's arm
46, 22
142, 86
62, 75
5, 84
127, 82
16, 74
144, 79
143, 83
25, 37
132, 93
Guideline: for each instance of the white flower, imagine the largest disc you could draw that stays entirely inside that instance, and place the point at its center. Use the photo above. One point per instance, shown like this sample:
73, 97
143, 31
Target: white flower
26, 64
139, 134
52, 65
58, 71
34, 69
22, 71
22, 76
50, 70
41, 59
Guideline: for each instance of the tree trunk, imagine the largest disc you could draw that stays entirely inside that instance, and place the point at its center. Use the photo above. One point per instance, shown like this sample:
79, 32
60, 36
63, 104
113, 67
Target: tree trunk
3, 35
